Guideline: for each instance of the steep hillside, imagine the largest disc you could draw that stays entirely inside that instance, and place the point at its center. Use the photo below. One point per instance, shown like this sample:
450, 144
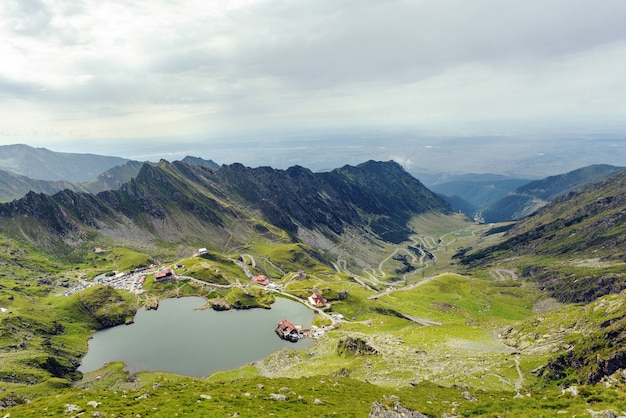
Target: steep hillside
479, 190
460, 205
573, 248
15, 186
588, 342
529, 197
200, 161
43, 164
379, 197
113, 178
194, 204
386, 194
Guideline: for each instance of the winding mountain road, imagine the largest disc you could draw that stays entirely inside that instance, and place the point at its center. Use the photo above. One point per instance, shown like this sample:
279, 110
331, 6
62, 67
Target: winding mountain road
409, 287
503, 275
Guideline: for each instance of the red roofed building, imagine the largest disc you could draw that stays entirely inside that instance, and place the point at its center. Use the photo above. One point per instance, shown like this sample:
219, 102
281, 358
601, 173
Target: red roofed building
317, 300
260, 280
287, 331
163, 274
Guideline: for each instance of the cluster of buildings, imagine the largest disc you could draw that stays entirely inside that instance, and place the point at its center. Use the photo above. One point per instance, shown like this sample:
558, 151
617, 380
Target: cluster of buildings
131, 282
264, 281
77, 289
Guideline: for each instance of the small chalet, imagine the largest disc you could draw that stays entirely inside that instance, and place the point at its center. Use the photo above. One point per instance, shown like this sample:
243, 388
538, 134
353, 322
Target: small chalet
317, 300
202, 251
287, 330
262, 280
163, 274
98, 250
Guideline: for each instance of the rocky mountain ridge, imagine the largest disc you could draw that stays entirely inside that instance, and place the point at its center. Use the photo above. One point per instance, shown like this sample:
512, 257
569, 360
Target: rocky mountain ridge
179, 202
43, 164
471, 193
531, 196
574, 247
15, 186
571, 250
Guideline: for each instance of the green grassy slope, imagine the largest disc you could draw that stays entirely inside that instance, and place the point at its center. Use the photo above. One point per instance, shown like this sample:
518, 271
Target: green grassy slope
529, 197
573, 248
473, 339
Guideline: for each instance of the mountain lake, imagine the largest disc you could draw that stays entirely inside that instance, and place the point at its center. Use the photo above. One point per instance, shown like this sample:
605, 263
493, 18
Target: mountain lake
180, 338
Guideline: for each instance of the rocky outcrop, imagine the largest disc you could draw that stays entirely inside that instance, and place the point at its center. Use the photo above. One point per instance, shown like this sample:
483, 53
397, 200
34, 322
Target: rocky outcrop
219, 304
355, 346
398, 411
330, 201
105, 305
178, 201
588, 362
606, 367
590, 221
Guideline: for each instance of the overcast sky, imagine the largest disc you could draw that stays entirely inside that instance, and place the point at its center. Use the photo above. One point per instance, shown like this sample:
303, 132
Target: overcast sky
94, 71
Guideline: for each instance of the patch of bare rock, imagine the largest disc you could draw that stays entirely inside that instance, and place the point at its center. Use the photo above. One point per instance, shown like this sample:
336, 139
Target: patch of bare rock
397, 411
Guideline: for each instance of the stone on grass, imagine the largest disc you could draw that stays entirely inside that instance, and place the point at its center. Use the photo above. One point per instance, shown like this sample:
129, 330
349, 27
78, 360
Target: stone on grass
399, 411
69, 408
607, 413
571, 390
278, 397
468, 397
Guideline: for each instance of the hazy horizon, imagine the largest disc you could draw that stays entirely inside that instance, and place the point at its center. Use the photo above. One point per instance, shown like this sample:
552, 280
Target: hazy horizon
487, 86
426, 157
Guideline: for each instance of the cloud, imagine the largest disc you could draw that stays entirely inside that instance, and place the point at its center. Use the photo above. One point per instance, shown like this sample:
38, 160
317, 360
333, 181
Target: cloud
198, 67
28, 17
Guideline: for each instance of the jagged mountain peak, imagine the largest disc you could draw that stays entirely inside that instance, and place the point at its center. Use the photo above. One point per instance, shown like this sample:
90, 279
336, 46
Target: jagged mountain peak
174, 200
200, 161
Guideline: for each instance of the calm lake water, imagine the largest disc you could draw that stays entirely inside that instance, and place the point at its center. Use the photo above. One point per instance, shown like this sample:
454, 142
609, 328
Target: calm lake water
177, 338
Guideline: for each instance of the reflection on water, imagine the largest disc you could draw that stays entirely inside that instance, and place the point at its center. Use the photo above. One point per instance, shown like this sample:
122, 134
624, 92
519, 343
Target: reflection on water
178, 338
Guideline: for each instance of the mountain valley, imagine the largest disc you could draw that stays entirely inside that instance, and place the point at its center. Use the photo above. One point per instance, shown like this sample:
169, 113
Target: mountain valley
425, 309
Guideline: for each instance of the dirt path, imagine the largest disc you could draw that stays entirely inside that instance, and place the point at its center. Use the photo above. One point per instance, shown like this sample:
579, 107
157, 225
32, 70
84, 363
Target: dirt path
409, 287
342, 265
249, 257
503, 275
421, 321
267, 260
207, 284
242, 265
520, 381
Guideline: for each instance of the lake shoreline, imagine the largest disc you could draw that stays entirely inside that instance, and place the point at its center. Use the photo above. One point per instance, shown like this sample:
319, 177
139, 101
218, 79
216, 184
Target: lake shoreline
171, 340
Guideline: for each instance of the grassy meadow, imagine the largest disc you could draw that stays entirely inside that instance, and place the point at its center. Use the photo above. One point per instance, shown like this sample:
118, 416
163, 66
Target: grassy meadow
438, 338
